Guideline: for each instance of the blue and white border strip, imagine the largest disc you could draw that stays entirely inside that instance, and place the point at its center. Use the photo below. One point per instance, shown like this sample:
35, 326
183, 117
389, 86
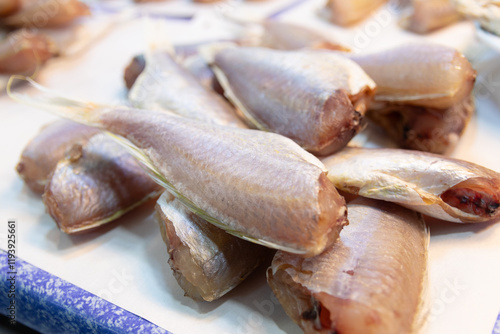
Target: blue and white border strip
50, 304
496, 329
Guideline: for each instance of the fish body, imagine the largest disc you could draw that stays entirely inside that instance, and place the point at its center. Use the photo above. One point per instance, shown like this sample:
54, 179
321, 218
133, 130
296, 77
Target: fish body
440, 187
346, 13
206, 262
423, 128
166, 85
96, 183
47, 148
24, 52
425, 16
426, 75
314, 98
288, 36
370, 281
47, 14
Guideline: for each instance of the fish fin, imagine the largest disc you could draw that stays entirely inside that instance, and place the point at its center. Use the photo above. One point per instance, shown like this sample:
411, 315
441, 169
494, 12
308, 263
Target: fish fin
424, 307
241, 110
56, 103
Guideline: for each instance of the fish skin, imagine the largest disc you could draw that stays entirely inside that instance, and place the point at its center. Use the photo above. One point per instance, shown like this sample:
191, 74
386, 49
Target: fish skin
303, 95
256, 185
23, 52
206, 262
53, 15
43, 152
428, 183
421, 74
370, 281
423, 128
95, 184
166, 85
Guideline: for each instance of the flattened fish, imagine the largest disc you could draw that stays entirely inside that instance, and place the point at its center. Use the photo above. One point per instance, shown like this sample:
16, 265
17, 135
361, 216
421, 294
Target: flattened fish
288, 36
345, 13
440, 187
426, 75
43, 152
422, 128
207, 262
23, 52
96, 183
47, 14
314, 98
370, 281
165, 85
256, 185
425, 16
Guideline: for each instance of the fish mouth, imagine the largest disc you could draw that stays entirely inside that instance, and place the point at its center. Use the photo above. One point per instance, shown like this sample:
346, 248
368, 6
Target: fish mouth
476, 196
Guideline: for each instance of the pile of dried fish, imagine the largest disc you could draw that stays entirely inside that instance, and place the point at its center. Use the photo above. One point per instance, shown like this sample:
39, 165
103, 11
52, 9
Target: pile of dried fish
25, 50
356, 268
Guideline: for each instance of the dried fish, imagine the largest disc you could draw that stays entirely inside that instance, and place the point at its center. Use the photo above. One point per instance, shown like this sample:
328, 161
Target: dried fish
47, 14
288, 36
95, 184
487, 12
440, 187
165, 85
421, 128
186, 55
206, 262
425, 16
345, 13
23, 52
315, 98
371, 281
9, 7
256, 185
426, 75
41, 155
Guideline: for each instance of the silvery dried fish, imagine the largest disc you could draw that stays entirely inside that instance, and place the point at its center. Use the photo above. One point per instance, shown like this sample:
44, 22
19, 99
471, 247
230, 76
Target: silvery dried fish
47, 14
288, 36
440, 187
165, 85
206, 262
345, 13
43, 152
425, 16
23, 52
426, 75
256, 185
314, 98
371, 281
96, 183
422, 128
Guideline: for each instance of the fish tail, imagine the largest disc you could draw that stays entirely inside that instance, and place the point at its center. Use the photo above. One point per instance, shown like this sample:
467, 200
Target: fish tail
54, 102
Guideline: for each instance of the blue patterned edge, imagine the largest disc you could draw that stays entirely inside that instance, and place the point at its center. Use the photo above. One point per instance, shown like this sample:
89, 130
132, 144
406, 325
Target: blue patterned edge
496, 328
50, 304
